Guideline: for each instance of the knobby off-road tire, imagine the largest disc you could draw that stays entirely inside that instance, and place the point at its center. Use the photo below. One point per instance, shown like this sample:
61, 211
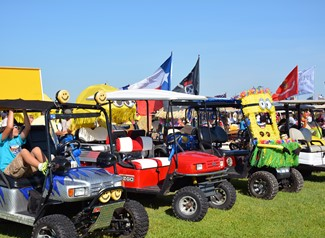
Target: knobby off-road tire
58, 226
136, 218
263, 184
190, 204
225, 197
295, 183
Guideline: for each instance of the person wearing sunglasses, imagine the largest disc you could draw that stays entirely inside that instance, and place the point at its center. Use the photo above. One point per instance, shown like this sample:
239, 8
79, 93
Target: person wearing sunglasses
16, 161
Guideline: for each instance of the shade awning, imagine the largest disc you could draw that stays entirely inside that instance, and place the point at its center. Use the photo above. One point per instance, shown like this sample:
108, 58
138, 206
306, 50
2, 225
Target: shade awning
150, 94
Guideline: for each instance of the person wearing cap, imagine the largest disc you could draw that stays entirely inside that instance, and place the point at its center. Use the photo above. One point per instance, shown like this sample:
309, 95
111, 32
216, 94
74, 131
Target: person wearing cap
14, 160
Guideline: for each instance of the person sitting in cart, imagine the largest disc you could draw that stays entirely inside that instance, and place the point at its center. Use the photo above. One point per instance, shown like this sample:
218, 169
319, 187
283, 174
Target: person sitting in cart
15, 161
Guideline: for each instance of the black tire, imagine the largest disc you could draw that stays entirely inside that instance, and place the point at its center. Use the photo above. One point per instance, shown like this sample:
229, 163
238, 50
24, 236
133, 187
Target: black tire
263, 184
190, 204
293, 184
58, 226
135, 217
225, 197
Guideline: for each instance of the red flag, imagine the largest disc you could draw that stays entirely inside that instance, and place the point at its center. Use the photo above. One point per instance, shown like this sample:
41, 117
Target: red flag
289, 86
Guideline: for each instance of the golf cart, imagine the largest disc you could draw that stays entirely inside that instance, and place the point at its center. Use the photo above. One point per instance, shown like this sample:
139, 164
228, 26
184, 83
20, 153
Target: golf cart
264, 180
308, 133
197, 178
69, 201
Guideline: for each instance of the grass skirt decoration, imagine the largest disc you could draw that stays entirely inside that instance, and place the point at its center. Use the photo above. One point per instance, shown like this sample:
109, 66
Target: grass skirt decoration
275, 157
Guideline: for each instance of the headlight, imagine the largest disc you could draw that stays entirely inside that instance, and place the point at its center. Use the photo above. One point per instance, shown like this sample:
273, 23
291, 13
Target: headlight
105, 197
116, 194
118, 184
283, 170
222, 163
112, 194
77, 192
229, 161
199, 166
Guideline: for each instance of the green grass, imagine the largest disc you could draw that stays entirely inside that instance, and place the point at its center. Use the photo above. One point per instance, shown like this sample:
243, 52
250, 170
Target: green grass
287, 215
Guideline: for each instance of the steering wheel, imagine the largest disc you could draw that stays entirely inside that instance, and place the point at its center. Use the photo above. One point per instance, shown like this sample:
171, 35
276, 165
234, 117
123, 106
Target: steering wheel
68, 147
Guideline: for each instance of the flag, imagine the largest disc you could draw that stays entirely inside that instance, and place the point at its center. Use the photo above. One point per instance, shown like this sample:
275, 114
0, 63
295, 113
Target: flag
161, 79
191, 83
289, 86
306, 81
221, 95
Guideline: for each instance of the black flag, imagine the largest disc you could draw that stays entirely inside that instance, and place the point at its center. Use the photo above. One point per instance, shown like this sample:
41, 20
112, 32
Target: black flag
191, 83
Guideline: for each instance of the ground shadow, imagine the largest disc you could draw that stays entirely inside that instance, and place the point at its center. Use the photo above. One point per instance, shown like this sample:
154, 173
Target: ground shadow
170, 212
152, 201
240, 185
14, 229
317, 177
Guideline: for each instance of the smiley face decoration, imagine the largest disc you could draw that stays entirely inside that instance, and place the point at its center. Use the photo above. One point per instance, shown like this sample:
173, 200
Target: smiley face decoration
62, 96
100, 97
269, 149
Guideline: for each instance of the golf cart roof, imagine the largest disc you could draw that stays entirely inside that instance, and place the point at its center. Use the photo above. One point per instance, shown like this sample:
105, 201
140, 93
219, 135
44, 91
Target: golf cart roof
149, 94
302, 104
311, 102
38, 105
223, 102
33, 105
212, 103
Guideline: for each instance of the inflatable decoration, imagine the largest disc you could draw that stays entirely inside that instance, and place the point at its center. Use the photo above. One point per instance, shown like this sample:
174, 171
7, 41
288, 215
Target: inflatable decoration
269, 149
122, 112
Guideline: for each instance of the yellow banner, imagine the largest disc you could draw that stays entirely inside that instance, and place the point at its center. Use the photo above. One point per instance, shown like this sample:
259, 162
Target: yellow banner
24, 83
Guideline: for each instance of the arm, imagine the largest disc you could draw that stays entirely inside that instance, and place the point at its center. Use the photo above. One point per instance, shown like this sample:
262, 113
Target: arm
277, 147
10, 125
26, 130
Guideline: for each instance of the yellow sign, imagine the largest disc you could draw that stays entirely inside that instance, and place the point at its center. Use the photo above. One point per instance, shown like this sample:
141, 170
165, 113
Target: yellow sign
24, 83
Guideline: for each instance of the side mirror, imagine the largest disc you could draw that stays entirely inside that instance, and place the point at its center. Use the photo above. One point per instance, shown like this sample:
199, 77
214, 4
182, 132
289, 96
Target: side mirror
106, 159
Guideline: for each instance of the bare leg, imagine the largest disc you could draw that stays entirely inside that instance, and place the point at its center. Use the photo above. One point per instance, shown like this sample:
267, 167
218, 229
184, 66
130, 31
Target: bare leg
38, 154
29, 158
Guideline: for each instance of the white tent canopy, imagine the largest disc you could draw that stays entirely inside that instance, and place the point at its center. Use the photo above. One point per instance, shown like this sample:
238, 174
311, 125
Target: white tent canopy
150, 94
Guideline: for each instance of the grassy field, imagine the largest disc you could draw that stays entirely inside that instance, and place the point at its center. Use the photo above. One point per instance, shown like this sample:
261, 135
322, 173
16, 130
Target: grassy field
287, 215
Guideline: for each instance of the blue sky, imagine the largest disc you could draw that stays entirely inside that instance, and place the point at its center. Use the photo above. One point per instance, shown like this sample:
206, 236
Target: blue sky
241, 44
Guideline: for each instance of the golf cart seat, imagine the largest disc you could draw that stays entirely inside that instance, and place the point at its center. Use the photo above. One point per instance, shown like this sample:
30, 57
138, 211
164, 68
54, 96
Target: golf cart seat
115, 135
35, 181
98, 134
214, 134
134, 151
136, 133
308, 145
37, 137
312, 140
220, 134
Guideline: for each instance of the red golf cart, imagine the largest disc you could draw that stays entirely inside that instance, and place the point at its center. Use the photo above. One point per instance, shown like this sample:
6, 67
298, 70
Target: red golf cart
198, 179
